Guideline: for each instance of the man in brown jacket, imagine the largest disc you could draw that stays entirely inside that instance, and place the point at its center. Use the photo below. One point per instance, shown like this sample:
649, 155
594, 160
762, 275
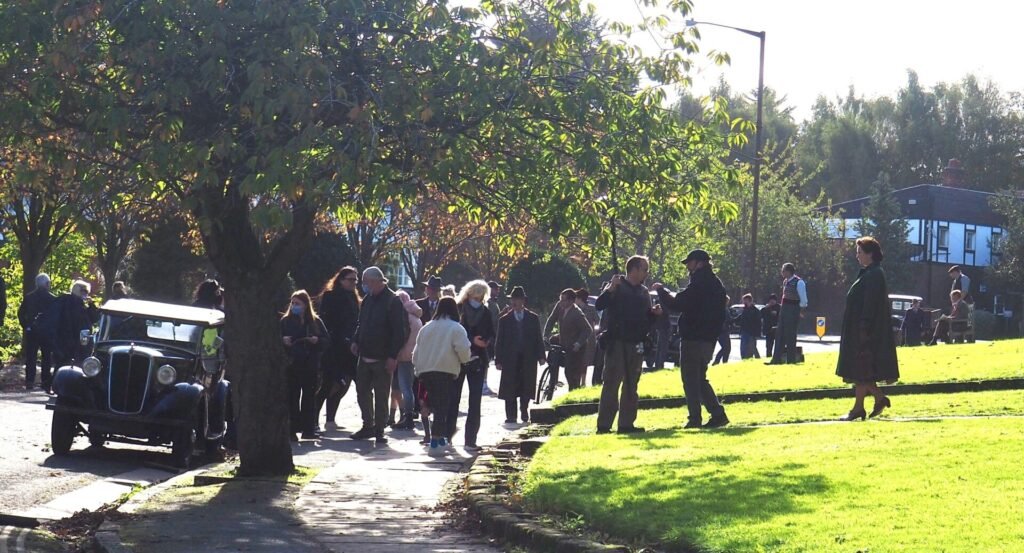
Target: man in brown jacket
574, 331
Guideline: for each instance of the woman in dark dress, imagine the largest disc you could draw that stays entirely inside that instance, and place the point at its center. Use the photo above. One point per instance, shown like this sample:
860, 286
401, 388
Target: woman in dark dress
339, 308
476, 319
305, 337
867, 349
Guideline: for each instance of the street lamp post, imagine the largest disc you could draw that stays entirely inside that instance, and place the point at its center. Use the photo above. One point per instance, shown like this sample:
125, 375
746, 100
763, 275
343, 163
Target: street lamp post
757, 146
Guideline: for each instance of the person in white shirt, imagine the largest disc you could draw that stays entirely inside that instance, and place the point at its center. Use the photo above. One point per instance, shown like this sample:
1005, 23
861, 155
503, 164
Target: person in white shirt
794, 303
442, 346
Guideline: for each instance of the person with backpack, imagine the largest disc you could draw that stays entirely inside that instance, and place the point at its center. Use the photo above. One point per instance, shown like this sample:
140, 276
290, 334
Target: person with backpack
379, 337
30, 311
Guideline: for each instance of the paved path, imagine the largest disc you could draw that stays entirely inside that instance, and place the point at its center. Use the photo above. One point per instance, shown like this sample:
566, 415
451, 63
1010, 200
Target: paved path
366, 499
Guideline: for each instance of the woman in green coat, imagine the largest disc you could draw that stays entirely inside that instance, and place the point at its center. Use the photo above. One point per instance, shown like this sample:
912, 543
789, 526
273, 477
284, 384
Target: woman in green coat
867, 350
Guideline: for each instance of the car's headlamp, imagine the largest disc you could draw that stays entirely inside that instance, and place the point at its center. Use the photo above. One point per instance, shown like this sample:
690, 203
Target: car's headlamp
91, 366
166, 375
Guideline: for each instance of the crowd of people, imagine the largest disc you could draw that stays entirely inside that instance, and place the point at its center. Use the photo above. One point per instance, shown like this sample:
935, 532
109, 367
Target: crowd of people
412, 360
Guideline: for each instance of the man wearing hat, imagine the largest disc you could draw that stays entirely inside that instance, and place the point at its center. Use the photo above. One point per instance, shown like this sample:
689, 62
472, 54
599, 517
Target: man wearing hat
429, 303
518, 348
961, 282
702, 314
380, 335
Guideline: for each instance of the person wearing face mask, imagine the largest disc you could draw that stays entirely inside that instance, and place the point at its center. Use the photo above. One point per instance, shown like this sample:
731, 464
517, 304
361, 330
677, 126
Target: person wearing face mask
380, 336
305, 337
518, 348
476, 319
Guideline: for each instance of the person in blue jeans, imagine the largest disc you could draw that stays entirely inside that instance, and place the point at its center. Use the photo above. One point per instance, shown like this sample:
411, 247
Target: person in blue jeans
404, 373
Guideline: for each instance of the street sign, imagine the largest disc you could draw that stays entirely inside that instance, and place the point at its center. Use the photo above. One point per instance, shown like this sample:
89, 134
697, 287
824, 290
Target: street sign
820, 327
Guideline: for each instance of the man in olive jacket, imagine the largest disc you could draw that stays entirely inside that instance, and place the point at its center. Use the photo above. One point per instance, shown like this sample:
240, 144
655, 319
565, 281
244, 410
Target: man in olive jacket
701, 305
518, 349
379, 337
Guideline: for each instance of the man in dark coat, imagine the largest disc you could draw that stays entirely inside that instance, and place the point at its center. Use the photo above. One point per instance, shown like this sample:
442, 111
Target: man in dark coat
769, 323
65, 320
380, 335
749, 322
915, 324
429, 303
32, 307
702, 316
518, 348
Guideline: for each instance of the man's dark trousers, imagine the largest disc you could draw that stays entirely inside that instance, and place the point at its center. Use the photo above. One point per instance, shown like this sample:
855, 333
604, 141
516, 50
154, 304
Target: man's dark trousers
694, 370
373, 393
789, 316
33, 348
769, 343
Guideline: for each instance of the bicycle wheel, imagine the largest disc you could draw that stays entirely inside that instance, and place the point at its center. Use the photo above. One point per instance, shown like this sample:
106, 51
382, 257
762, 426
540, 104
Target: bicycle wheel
544, 387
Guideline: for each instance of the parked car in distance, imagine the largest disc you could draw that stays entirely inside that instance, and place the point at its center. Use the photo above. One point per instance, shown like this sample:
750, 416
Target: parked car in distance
155, 377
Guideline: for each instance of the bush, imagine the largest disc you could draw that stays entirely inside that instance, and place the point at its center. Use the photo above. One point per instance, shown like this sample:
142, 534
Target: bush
544, 277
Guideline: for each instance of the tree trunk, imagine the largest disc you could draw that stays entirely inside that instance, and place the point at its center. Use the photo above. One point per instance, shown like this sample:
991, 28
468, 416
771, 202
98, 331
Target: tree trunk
259, 380
32, 259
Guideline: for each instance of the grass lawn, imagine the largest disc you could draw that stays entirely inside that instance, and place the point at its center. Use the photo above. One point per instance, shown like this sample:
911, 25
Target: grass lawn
980, 361
938, 486
1010, 402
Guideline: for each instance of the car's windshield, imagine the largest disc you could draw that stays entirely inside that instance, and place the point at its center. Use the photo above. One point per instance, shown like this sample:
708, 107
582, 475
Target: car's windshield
151, 330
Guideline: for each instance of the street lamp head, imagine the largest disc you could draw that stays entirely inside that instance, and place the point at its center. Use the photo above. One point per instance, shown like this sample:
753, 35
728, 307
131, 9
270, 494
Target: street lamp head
691, 22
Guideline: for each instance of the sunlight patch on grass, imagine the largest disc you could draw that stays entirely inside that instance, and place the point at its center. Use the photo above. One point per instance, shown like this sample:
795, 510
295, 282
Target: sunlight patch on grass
1010, 402
946, 363
945, 485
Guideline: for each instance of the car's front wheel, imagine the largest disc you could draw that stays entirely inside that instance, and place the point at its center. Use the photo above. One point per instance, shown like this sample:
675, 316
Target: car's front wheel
62, 432
183, 447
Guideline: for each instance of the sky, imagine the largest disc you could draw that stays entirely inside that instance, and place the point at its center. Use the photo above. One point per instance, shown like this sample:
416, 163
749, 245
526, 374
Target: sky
823, 47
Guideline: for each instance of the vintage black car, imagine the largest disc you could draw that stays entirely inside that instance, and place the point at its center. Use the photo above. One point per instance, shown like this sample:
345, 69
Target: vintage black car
155, 377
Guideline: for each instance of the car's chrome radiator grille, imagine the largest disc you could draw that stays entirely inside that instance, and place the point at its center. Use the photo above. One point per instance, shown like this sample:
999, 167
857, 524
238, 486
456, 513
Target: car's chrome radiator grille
129, 381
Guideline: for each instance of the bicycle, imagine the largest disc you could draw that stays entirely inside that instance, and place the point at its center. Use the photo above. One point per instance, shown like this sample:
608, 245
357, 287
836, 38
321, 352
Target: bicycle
549, 377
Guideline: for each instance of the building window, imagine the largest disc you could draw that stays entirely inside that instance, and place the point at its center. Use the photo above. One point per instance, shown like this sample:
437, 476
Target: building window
996, 243
969, 240
944, 237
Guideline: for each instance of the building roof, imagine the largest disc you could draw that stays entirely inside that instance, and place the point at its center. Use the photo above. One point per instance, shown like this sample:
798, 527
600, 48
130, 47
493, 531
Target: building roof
165, 311
935, 202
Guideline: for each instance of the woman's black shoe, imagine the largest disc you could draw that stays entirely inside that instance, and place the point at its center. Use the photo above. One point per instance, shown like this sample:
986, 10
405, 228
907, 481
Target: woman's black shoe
880, 405
854, 415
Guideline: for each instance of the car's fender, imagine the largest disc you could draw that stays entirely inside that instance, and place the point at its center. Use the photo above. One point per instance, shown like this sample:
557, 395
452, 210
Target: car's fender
73, 388
180, 403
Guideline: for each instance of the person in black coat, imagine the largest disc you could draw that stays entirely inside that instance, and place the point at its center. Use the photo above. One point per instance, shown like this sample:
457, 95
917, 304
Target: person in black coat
770, 323
429, 303
476, 319
64, 321
35, 342
915, 323
749, 322
339, 309
867, 347
725, 336
305, 337
703, 315
518, 348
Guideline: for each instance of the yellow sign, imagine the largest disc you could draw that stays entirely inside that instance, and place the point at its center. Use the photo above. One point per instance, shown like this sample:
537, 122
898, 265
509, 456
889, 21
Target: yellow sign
820, 327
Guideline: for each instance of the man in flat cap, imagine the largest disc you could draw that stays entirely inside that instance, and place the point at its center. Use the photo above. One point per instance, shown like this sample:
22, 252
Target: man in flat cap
702, 313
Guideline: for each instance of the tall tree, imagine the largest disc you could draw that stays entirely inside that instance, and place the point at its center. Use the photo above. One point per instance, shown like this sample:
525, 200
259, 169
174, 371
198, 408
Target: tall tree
883, 218
256, 115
